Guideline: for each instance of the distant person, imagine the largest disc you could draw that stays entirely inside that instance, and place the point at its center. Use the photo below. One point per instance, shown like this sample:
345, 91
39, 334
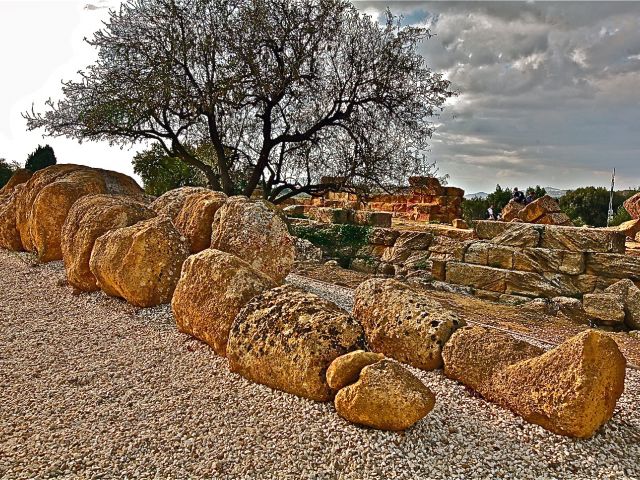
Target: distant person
490, 214
518, 196
530, 197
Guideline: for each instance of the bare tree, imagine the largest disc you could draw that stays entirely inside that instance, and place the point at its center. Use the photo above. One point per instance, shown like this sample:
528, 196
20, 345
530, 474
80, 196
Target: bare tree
287, 92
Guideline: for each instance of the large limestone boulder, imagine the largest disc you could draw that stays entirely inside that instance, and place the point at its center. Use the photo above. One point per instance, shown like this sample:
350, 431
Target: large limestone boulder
632, 205
9, 234
286, 339
170, 203
511, 210
404, 323
345, 369
256, 232
48, 196
474, 354
538, 208
629, 229
27, 196
20, 176
140, 263
89, 218
627, 291
195, 218
386, 396
570, 390
212, 289
604, 308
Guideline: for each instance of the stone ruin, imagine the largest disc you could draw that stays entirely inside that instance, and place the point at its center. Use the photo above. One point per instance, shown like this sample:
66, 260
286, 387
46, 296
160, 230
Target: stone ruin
221, 262
425, 200
544, 210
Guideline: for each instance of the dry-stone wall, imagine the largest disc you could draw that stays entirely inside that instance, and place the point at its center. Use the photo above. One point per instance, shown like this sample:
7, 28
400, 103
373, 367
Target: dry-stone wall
540, 260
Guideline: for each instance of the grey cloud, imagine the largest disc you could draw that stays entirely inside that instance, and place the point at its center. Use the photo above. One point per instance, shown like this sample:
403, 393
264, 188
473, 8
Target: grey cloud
549, 90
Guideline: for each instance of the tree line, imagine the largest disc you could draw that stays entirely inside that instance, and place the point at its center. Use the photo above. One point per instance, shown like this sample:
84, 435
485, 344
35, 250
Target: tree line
584, 205
40, 158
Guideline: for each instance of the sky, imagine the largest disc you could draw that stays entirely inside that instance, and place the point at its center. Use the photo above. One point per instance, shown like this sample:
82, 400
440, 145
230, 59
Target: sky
549, 92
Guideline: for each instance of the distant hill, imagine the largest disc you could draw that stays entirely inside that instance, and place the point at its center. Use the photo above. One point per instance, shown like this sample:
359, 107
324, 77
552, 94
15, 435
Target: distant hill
480, 195
551, 191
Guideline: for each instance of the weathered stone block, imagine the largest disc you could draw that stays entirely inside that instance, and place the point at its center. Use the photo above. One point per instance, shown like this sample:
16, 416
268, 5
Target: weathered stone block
500, 257
383, 236
477, 253
459, 223
531, 284
578, 239
613, 265
629, 229
331, 215
448, 247
418, 260
632, 205
488, 229
538, 208
294, 210
414, 240
547, 260
372, 219
439, 269
519, 235
606, 308
477, 276
511, 210
554, 219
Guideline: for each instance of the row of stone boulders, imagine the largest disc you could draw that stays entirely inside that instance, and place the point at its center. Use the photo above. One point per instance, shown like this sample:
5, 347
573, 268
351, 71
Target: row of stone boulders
570, 390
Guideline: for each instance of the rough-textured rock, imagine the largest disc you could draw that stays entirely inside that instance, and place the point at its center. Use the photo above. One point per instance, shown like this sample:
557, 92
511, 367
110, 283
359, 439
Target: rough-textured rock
577, 239
511, 210
286, 339
140, 263
558, 218
256, 232
478, 252
89, 218
613, 265
213, 287
546, 260
372, 219
570, 308
306, 251
387, 396
9, 234
538, 208
629, 229
345, 369
500, 257
519, 235
404, 323
570, 390
630, 295
195, 218
331, 215
20, 176
170, 203
45, 201
533, 284
383, 236
294, 210
445, 248
489, 229
476, 276
632, 205
474, 354
606, 308
459, 223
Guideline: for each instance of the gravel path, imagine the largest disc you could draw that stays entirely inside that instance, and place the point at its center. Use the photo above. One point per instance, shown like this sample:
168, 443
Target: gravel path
93, 388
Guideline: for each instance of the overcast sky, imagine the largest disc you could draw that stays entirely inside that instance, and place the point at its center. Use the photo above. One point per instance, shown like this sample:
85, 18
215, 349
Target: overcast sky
549, 92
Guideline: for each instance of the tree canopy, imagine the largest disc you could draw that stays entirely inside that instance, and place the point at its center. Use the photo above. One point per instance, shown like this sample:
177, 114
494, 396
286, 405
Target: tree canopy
6, 170
41, 157
286, 92
161, 173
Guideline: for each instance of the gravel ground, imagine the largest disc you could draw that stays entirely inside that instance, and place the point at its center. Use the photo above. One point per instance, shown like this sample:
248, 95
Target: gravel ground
93, 388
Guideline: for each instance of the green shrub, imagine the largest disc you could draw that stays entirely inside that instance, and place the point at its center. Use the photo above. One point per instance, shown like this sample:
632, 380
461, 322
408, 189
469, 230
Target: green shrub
41, 157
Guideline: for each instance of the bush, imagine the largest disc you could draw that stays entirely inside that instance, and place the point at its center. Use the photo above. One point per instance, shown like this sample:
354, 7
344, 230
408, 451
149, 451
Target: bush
42, 157
339, 241
590, 205
6, 170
